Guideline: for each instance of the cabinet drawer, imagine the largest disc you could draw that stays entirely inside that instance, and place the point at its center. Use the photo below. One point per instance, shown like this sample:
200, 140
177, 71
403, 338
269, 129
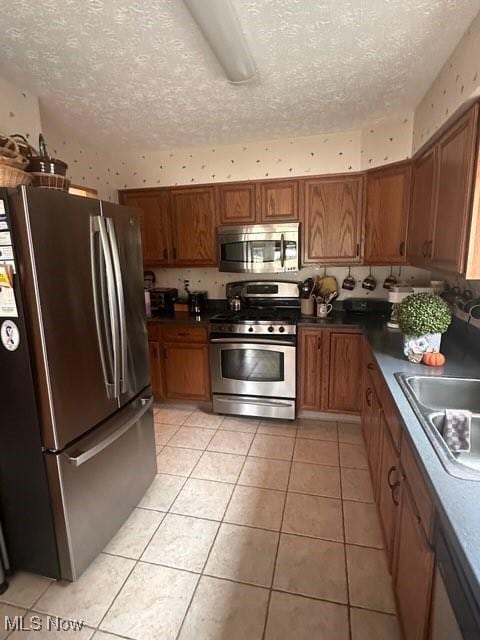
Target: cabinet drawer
184, 333
391, 417
420, 493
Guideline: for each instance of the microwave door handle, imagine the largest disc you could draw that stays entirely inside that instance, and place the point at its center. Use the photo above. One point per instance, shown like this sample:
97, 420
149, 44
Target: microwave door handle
112, 304
122, 380
104, 344
282, 250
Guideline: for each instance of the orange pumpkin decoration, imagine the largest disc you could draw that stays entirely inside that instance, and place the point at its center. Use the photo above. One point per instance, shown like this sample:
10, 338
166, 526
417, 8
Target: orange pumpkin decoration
433, 359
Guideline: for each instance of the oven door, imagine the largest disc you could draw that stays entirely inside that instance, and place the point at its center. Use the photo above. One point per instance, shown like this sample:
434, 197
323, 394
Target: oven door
263, 250
257, 367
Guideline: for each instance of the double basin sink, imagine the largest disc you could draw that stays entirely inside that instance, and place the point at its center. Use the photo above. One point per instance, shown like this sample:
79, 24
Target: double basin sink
429, 396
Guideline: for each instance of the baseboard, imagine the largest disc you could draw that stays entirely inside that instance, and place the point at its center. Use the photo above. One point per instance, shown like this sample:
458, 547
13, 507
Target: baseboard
329, 417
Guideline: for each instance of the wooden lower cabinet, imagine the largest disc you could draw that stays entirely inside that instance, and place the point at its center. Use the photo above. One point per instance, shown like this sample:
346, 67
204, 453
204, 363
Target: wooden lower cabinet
329, 370
156, 377
345, 372
389, 487
179, 366
186, 371
404, 504
414, 570
310, 357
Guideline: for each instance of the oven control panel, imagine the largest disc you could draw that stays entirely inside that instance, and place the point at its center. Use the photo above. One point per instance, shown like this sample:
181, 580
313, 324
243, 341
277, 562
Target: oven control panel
255, 329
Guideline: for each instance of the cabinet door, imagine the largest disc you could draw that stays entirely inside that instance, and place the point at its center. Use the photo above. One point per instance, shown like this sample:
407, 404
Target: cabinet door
374, 447
193, 226
388, 489
386, 215
155, 369
456, 152
154, 219
332, 220
237, 203
414, 571
345, 373
186, 371
422, 208
279, 200
309, 369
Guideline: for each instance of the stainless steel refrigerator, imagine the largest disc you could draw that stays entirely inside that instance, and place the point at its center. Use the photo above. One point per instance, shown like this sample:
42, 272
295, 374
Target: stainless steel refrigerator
77, 449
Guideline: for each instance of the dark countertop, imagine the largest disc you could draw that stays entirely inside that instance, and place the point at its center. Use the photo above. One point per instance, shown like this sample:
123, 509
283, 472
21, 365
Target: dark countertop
456, 499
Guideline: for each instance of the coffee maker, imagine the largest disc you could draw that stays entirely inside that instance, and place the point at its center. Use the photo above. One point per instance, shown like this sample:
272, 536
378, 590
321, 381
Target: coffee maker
197, 301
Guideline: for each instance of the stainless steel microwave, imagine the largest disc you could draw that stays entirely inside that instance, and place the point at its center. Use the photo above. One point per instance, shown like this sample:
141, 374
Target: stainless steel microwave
269, 248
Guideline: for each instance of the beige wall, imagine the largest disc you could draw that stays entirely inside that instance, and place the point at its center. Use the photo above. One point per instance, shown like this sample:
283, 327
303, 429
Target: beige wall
379, 143
458, 80
87, 166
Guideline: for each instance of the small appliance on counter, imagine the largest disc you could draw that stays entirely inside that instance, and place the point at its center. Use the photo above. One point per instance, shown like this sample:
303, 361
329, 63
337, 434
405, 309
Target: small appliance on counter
162, 301
367, 306
396, 295
197, 301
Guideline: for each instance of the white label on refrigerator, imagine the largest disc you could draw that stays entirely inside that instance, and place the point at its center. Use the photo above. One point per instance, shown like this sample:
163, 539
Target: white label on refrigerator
5, 238
3, 225
10, 335
8, 305
6, 253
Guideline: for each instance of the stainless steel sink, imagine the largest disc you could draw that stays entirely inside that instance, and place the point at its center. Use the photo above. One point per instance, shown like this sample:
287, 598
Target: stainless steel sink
429, 396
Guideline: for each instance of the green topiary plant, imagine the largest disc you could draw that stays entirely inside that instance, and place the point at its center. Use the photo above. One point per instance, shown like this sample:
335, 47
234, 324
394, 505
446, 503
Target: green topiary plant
422, 313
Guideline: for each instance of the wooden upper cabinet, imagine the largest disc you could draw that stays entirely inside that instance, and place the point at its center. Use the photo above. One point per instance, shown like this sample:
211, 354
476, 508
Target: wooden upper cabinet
279, 200
193, 226
386, 215
332, 220
237, 203
345, 373
154, 220
422, 208
456, 155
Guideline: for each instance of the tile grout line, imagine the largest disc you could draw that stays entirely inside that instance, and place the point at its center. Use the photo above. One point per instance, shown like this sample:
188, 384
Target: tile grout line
136, 562
347, 584
269, 600
213, 542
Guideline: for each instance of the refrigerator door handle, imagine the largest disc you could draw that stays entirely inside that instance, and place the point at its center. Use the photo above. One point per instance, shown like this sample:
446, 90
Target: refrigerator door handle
98, 447
122, 381
102, 342
112, 303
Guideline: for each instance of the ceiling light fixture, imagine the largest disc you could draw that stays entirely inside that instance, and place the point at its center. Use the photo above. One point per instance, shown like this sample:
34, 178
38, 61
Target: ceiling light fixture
219, 23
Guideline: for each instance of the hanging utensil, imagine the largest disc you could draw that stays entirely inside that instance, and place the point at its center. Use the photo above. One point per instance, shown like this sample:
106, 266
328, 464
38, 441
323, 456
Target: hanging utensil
390, 281
369, 282
349, 283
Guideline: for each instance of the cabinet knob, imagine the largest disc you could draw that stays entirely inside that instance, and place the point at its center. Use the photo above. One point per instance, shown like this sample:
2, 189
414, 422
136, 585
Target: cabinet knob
394, 489
402, 248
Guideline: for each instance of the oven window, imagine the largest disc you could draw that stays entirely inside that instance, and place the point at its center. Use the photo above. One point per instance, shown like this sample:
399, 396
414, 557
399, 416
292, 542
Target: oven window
253, 365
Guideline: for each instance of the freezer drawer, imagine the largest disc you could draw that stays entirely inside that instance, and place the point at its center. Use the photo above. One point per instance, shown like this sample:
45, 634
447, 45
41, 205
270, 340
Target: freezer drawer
97, 482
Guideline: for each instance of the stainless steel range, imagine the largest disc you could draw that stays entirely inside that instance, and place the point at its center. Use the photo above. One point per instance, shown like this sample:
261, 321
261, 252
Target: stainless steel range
252, 351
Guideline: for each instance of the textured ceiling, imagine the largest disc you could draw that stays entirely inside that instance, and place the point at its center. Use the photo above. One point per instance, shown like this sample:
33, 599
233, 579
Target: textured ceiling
139, 72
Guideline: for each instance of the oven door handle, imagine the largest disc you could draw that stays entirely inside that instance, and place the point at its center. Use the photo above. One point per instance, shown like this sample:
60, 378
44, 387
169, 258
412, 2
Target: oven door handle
280, 343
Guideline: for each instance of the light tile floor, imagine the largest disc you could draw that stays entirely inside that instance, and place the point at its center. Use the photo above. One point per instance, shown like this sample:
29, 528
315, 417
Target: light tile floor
252, 530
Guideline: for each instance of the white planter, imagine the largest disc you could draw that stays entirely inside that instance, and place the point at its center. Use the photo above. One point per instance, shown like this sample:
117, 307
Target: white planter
415, 346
